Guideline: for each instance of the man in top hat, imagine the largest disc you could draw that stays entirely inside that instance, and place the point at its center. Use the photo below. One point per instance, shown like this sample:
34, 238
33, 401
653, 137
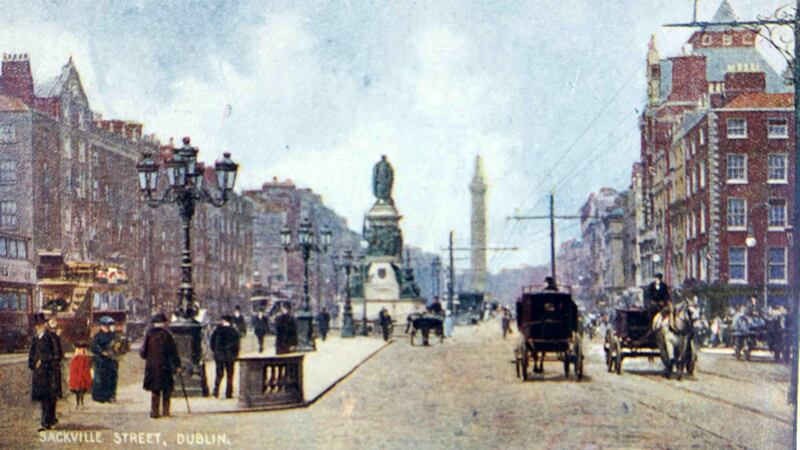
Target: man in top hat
44, 359
285, 331
260, 327
161, 354
550, 284
238, 321
225, 345
106, 368
658, 295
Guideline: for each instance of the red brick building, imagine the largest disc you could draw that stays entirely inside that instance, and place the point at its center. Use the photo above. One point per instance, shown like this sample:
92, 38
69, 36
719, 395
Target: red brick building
715, 189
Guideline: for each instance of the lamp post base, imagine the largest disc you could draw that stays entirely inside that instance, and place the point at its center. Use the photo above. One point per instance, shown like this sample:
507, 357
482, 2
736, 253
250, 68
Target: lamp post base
348, 330
188, 336
305, 332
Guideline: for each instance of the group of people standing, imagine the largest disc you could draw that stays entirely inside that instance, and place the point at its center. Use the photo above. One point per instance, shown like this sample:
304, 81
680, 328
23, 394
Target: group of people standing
46, 356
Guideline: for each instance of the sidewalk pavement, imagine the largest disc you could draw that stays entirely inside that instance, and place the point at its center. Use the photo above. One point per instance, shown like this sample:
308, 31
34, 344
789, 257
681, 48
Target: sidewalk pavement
729, 351
334, 360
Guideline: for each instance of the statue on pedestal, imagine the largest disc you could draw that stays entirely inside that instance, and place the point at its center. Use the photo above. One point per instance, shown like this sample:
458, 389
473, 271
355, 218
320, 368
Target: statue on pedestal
382, 180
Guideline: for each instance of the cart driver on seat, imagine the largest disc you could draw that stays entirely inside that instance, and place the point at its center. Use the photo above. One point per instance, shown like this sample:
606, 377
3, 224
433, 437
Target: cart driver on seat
658, 296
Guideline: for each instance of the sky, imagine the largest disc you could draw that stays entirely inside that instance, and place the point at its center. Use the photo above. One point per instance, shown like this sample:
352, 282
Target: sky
547, 92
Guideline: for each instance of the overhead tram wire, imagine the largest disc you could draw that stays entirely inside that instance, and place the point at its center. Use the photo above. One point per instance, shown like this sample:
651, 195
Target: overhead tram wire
594, 120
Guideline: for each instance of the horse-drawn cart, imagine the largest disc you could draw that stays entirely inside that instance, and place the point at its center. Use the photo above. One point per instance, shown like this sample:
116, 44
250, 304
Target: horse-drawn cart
548, 323
668, 334
630, 337
425, 323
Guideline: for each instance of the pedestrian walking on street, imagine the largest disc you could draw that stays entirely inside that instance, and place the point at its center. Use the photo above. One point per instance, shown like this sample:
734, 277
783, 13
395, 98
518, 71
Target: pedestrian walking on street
550, 284
55, 334
386, 323
162, 362
225, 346
449, 323
324, 323
260, 327
238, 321
506, 322
44, 360
285, 332
106, 367
80, 373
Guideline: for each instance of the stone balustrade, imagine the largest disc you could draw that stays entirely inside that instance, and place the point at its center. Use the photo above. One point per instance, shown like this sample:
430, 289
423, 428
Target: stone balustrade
266, 381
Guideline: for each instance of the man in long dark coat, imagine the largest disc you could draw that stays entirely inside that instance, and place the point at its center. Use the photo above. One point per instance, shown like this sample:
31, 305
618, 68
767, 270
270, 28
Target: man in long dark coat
658, 295
106, 368
324, 323
285, 332
225, 345
44, 359
161, 353
260, 327
238, 321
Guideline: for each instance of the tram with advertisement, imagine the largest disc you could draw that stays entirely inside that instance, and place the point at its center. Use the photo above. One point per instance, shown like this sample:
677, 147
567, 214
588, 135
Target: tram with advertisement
78, 294
17, 286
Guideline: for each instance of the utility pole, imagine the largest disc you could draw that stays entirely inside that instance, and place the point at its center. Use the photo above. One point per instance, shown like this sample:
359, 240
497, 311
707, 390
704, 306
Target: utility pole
552, 240
794, 23
552, 218
451, 283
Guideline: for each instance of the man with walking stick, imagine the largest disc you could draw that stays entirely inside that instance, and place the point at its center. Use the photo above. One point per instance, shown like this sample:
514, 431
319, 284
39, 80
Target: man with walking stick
161, 354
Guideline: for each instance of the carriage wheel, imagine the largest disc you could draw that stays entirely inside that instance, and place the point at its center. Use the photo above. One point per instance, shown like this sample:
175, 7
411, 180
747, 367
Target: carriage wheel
618, 356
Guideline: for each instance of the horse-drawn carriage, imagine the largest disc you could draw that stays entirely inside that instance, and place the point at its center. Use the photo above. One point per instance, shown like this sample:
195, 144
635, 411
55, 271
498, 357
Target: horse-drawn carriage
668, 334
755, 332
548, 324
425, 323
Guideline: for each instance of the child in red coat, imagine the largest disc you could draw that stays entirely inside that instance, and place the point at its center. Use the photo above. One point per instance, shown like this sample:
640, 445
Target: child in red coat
80, 374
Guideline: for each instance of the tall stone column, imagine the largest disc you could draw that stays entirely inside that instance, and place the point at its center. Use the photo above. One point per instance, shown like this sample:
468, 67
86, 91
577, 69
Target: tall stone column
478, 228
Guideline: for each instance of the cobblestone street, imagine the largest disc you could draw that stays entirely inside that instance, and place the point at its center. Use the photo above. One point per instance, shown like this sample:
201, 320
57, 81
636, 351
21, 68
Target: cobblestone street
465, 394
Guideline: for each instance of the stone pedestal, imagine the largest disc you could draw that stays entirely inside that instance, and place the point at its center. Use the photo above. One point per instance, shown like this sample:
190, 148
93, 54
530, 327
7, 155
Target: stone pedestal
305, 332
188, 336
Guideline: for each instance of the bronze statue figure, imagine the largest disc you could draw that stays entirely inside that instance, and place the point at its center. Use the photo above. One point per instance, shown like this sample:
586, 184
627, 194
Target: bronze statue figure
382, 180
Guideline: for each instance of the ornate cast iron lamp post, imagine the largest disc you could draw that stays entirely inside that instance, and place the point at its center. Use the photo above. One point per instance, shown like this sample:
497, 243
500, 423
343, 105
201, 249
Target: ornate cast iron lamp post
347, 316
306, 243
186, 189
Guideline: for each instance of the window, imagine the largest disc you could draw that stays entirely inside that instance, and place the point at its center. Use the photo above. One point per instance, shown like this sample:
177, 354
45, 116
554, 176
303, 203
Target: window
702, 218
706, 39
702, 169
8, 214
736, 213
702, 137
737, 129
3, 248
694, 148
777, 213
737, 168
777, 128
8, 171
8, 134
727, 40
737, 264
694, 181
776, 168
777, 264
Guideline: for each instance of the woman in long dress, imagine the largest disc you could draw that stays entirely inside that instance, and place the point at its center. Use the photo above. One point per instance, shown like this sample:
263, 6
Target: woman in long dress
106, 368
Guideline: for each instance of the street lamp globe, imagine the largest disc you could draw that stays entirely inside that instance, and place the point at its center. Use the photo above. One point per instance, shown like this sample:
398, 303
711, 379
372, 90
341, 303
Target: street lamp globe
304, 232
188, 154
750, 241
656, 258
226, 173
176, 172
286, 237
148, 174
326, 236
199, 176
